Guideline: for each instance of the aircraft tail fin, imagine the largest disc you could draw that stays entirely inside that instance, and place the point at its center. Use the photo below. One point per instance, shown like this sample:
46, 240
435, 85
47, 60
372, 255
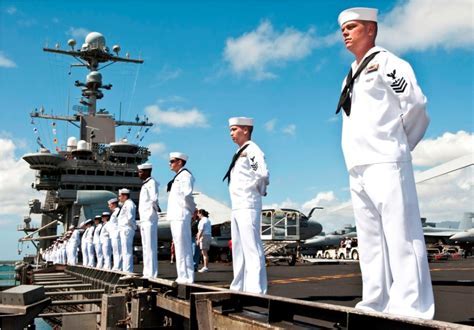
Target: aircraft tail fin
466, 222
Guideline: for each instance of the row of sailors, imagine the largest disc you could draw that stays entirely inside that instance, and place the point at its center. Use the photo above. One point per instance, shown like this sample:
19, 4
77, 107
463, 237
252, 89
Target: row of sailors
108, 243
99, 244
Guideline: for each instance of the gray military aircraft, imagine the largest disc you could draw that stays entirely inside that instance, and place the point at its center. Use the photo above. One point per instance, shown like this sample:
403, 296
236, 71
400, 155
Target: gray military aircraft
435, 234
332, 240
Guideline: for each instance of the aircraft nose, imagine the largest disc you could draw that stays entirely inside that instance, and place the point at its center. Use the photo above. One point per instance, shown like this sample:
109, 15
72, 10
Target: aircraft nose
314, 228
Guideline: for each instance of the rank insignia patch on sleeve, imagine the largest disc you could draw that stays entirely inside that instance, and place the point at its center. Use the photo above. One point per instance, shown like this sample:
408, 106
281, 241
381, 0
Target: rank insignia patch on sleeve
253, 164
399, 84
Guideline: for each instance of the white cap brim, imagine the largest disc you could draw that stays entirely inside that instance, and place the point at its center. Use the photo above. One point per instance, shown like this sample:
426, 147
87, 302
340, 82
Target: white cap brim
146, 166
124, 191
240, 121
178, 155
357, 14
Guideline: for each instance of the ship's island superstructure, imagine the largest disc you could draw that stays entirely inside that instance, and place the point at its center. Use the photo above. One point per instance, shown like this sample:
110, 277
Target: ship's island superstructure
95, 161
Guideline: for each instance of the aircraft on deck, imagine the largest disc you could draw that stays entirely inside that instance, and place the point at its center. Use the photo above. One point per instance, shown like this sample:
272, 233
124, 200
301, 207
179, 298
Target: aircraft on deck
331, 240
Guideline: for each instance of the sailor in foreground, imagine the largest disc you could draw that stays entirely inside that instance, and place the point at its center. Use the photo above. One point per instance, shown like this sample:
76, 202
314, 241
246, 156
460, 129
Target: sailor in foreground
181, 207
96, 240
115, 234
384, 119
248, 179
127, 227
148, 209
105, 242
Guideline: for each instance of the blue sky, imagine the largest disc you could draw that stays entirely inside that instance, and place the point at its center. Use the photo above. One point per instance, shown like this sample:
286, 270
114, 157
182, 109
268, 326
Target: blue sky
280, 62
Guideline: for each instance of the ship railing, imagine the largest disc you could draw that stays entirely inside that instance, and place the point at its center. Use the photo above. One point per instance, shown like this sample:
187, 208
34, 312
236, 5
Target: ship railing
139, 302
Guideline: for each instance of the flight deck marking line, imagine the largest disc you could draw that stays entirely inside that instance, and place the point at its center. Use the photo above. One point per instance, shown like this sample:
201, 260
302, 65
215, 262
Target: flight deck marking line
314, 278
441, 269
338, 276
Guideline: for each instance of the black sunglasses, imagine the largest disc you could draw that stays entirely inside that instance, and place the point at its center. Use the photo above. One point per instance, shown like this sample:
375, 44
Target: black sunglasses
173, 161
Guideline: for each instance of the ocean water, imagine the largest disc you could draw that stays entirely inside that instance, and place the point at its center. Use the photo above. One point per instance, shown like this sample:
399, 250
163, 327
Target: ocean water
7, 279
7, 274
42, 325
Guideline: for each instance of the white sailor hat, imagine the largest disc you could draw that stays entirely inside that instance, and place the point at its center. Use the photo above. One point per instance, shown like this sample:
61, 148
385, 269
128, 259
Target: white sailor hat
106, 214
112, 200
97, 217
240, 121
124, 191
357, 14
88, 221
178, 155
146, 166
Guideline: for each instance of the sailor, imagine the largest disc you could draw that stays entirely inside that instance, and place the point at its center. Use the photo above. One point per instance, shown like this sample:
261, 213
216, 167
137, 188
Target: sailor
127, 227
148, 209
181, 207
105, 242
88, 238
73, 244
62, 250
115, 234
248, 179
384, 118
97, 247
85, 259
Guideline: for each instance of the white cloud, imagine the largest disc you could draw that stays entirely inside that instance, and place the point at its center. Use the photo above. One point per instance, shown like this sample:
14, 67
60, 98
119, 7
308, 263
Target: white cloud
78, 32
287, 203
16, 178
172, 99
270, 125
324, 199
11, 10
176, 117
290, 129
5, 62
417, 25
432, 152
157, 148
255, 51
447, 197
167, 73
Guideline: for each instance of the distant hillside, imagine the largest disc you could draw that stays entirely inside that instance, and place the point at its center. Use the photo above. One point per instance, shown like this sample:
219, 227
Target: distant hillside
448, 224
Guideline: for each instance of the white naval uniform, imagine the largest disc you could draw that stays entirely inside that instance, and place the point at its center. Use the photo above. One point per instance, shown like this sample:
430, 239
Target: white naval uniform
387, 120
72, 246
127, 225
84, 248
97, 245
115, 240
106, 245
148, 209
89, 239
181, 207
248, 183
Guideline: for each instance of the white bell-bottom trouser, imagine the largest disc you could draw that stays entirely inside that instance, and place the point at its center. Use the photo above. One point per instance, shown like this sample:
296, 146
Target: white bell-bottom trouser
181, 232
107, 254
117, 252
395, 273
100, 256
90, 255
149, 233
126, 240
71, 258
248, 257
85, 254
